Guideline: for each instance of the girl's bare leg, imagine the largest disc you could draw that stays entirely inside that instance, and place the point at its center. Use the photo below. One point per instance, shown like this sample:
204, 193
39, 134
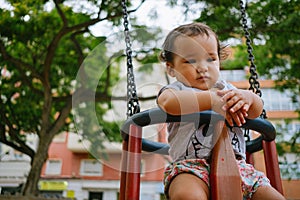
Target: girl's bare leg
267, 193
188, 187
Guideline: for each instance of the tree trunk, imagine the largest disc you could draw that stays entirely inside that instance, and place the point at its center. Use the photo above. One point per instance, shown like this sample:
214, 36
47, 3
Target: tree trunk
31, 185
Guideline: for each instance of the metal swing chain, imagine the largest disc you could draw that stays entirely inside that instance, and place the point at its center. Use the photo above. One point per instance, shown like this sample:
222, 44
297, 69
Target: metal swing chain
132, 98
253, 79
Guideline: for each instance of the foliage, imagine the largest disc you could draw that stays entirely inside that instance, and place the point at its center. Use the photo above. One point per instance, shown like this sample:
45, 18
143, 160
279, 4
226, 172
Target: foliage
238, 61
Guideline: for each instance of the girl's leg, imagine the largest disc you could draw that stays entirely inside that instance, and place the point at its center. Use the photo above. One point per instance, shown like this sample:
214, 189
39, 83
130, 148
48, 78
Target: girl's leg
188, 187
267, 193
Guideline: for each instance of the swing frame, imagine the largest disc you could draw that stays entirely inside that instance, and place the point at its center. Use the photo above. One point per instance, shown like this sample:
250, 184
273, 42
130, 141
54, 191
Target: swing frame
223, 164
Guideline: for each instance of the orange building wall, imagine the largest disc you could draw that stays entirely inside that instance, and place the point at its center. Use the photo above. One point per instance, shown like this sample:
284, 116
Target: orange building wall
154, 164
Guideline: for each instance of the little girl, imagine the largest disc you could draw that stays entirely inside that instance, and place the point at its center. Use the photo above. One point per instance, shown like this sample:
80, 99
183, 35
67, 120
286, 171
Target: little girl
192, 54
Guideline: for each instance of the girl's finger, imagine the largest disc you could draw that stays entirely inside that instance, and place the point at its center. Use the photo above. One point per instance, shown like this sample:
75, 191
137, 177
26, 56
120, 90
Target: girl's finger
237, 106
228, 95
221, 93
241, 117
229, 119
236, 119
245, 107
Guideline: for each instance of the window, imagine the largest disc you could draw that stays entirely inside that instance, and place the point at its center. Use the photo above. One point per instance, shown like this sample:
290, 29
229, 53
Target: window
286, 130
91, 168
276, 100
233, 75
95, 195
290, 171
289, 166
53, 167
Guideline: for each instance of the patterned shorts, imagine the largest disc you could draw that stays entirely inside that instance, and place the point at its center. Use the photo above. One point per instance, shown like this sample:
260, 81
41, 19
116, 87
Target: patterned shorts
251, 178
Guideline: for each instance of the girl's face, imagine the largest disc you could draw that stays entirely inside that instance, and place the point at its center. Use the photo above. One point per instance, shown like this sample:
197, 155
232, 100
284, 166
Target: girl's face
195, 62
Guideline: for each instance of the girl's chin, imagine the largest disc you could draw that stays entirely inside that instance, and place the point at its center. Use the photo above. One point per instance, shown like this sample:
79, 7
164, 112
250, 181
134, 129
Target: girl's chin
201, 87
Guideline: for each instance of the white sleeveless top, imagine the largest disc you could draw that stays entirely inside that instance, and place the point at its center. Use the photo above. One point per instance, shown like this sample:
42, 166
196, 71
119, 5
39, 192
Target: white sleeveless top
187, 141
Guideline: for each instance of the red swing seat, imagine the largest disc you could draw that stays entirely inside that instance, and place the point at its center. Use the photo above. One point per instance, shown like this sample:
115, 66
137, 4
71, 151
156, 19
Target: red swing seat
224, 174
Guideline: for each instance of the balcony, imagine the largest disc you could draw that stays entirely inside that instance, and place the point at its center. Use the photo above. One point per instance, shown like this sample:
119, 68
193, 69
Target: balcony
76, 144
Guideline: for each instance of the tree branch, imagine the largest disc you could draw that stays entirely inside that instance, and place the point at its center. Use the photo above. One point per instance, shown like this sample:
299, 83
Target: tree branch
18, 63
100, 10
86, 95
60, 121
77, 45
61, 13
98, 19
115, 55
17, 143
28, 82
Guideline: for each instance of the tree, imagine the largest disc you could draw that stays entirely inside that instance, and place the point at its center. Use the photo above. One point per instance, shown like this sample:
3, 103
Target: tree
42, 47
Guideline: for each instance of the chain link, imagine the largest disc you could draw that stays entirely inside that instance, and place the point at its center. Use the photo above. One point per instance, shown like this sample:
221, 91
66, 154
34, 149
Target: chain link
253, 79
132, 98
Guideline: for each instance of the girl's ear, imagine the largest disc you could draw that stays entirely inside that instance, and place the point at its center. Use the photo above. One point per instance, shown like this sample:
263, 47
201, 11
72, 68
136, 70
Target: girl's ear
170, 69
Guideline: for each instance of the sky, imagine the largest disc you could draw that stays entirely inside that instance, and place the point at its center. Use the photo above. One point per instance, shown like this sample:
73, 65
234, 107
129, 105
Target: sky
167, 17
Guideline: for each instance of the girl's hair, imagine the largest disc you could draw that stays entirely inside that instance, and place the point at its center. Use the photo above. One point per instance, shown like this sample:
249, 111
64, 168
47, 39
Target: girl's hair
190, 30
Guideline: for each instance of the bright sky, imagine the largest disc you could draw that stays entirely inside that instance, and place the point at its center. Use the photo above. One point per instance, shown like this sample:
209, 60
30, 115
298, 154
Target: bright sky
167, 17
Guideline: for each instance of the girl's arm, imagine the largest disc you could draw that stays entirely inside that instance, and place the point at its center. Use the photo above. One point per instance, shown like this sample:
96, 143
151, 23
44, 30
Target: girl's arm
234, 105
183, 102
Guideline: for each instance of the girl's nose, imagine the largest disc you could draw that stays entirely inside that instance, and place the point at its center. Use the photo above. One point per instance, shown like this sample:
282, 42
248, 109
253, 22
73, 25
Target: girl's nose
201, 67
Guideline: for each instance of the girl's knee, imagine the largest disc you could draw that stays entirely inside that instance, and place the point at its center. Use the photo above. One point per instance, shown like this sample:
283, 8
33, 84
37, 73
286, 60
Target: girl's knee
189, 195
267, 193
188, 187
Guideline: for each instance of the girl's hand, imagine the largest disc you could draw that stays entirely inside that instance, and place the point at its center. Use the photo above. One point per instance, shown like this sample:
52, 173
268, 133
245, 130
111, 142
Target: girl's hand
236, 105
238, 118
235, 100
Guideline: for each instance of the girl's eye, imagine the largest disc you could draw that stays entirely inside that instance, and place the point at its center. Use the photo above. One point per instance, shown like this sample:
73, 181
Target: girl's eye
191, 61
211, 59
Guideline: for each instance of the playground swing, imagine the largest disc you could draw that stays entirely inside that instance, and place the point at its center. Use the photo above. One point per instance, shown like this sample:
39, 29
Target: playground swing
224, 174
